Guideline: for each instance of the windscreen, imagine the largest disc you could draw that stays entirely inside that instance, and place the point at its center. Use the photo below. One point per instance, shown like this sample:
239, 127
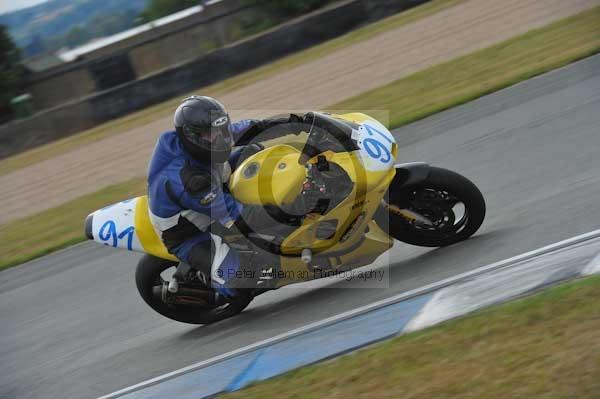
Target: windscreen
327, 133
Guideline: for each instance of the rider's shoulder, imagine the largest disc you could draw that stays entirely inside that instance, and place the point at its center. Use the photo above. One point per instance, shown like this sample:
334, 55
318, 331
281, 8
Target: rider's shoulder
167, 148
168, 138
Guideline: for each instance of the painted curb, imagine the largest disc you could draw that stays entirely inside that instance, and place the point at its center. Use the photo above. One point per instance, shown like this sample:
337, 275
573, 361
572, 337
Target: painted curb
409, 311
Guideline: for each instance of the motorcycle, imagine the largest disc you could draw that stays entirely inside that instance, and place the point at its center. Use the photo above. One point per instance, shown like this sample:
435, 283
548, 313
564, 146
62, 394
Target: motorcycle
339, 199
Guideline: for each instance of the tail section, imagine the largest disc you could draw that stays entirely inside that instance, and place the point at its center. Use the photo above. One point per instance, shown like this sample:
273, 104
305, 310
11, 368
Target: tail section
126, 225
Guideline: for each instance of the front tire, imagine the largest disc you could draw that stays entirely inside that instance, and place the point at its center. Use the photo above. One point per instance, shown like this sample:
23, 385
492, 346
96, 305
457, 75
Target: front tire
437, 199
148, 277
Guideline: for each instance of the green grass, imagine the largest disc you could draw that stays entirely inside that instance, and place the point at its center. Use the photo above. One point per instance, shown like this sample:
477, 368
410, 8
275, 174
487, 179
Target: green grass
411, 98
543, 346
485, 71
164, 109
56, 228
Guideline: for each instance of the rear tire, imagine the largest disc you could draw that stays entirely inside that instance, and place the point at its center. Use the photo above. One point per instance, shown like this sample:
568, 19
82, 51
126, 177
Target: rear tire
432, 197
147, 276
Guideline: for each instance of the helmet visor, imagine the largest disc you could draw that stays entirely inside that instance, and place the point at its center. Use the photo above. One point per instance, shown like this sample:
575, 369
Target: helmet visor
215, 138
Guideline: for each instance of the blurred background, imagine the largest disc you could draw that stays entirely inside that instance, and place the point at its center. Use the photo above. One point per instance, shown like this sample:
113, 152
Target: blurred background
79, 57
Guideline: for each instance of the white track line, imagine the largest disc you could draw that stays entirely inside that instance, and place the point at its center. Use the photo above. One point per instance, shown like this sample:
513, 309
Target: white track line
363, 309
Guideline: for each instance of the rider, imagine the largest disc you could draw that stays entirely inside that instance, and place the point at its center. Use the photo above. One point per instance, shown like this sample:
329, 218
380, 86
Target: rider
186, 178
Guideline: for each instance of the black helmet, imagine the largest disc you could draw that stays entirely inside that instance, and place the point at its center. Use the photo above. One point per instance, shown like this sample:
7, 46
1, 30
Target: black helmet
204, 129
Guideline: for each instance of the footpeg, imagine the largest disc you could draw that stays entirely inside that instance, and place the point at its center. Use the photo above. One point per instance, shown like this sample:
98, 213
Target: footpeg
306, 255
266, 274
173, 286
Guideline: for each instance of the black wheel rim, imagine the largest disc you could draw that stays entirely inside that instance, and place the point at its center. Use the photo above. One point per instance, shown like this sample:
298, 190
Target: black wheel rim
446, 213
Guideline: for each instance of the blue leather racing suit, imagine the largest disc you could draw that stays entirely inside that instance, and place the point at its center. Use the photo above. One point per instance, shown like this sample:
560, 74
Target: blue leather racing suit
186, 195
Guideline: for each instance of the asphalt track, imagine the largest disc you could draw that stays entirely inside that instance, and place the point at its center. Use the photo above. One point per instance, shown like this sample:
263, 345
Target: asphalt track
73, 326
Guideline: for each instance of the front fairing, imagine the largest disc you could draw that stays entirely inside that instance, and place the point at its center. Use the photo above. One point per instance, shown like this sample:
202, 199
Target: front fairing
275, 177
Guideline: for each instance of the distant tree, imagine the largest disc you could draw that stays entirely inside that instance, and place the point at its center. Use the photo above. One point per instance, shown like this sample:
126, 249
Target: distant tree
11, 73
161, 8
52, 20
77, 35
109, 24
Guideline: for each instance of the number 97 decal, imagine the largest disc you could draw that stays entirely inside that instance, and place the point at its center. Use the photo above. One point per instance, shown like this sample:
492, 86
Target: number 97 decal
376, 149
378, 144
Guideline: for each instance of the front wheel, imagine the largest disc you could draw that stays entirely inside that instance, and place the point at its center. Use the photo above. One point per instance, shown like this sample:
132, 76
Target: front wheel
150, 277
441, 210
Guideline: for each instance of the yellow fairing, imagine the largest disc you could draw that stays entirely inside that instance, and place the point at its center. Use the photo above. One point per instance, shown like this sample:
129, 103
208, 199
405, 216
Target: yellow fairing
354, 212
375, 242
146, 233
356, 117
270, 177
273, 177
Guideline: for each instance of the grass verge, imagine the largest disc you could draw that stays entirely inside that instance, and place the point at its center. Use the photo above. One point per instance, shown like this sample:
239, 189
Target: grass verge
543, 346
474, 75
37, 235
411, 98
164, 109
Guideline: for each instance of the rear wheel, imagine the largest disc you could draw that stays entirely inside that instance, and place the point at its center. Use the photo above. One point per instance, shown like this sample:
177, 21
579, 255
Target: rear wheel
443, 209
151, 276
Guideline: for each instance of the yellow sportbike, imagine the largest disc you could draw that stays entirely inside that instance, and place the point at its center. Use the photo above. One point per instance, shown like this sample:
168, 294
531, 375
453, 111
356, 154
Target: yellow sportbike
338, 199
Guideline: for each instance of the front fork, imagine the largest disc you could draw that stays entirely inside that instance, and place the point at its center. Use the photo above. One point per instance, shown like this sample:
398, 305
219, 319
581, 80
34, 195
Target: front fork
408, 215
408, 174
